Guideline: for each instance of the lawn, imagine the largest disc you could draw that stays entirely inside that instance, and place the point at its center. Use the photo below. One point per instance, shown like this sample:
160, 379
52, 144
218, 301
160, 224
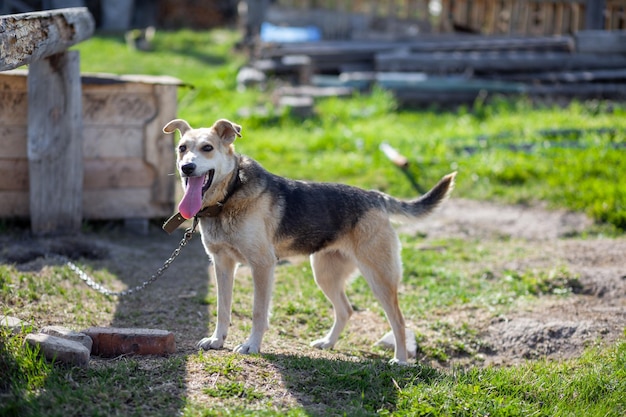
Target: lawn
510, 152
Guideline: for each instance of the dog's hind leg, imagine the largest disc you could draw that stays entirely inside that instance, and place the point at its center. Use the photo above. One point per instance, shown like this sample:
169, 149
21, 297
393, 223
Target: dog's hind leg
379, 261
224, 275
331, 270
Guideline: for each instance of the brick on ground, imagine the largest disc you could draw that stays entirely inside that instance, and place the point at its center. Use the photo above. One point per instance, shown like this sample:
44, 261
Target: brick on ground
110, 342
68, 334
59, 349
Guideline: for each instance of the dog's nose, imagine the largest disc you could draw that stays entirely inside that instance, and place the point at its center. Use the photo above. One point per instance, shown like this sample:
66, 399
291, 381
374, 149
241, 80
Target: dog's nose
188, 168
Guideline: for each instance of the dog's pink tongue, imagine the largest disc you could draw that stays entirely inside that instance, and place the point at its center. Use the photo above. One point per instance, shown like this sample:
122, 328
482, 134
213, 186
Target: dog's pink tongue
191, 203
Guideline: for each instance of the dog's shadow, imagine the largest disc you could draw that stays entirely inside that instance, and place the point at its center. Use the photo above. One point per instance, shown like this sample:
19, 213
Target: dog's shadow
325, 386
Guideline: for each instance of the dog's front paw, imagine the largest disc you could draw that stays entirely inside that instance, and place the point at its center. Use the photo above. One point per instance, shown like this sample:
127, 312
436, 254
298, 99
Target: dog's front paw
209, 343
247, 348
323, 343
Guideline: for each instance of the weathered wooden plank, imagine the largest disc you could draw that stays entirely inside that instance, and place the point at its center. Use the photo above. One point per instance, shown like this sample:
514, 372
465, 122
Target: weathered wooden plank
495, 61
567, 76
98, 141
423, 43
14, 204
601, 41
118, 109
99, 174
443, 95
416, 84
581, 90
108, 100
28, 37
101, 204
314, 91
159, 150
55, 144
127, 203
13, 174
13, 141
112, 142
117, 173
594, 15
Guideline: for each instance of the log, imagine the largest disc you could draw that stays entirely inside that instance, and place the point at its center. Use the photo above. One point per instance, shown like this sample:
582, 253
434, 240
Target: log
29, 37
55, 157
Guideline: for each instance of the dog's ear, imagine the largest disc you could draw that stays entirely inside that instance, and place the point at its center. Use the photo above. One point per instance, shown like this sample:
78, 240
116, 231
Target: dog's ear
179, 124
227, 130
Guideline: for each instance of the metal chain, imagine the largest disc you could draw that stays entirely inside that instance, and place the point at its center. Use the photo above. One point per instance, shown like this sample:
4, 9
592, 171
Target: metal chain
101, 289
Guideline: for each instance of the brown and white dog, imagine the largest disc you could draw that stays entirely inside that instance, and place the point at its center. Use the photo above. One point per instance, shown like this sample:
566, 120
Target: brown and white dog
248, 215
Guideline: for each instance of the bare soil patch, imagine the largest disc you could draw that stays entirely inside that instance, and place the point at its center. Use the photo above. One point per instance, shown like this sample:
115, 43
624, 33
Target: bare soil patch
554, 327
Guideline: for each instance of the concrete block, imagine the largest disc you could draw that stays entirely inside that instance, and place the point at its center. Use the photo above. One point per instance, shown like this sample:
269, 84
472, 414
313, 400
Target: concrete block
68, 334
59, 350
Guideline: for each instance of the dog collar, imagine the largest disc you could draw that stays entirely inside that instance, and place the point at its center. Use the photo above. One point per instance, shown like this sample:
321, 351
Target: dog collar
216, 209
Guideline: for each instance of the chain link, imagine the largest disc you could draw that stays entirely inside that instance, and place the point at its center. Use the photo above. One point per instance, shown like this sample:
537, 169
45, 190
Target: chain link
103, 290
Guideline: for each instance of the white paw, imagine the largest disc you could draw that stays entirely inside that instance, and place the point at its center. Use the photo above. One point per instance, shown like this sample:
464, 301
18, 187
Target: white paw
322, 344
398, 362
247, 348
209, 343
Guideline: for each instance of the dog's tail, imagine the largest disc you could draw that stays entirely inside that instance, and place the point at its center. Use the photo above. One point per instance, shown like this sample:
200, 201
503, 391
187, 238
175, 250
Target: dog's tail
412, 209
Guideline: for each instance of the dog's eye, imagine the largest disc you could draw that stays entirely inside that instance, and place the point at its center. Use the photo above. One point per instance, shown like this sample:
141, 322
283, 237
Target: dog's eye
207, 148
182, 148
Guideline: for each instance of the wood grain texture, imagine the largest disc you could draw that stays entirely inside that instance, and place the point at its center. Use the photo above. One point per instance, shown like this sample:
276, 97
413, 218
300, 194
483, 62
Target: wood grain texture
55, 157
29, 37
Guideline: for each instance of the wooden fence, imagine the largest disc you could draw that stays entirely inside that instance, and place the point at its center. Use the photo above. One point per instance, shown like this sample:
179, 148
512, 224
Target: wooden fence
487, 17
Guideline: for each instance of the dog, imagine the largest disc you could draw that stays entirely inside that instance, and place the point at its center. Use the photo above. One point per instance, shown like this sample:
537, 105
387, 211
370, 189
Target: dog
248, 215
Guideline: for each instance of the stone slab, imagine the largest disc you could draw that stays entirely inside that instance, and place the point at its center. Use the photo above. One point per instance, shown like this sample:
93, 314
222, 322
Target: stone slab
59, 350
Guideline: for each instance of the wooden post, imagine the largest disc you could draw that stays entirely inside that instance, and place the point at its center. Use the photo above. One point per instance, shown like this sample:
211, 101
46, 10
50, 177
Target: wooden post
55, 155
594, 14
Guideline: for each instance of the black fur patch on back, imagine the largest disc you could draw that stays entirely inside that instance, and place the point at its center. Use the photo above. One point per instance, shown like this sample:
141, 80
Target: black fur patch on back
315, 214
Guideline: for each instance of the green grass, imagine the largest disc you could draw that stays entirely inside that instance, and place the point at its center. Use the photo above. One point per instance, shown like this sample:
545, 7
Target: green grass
500, 154
125, 387
593, 385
